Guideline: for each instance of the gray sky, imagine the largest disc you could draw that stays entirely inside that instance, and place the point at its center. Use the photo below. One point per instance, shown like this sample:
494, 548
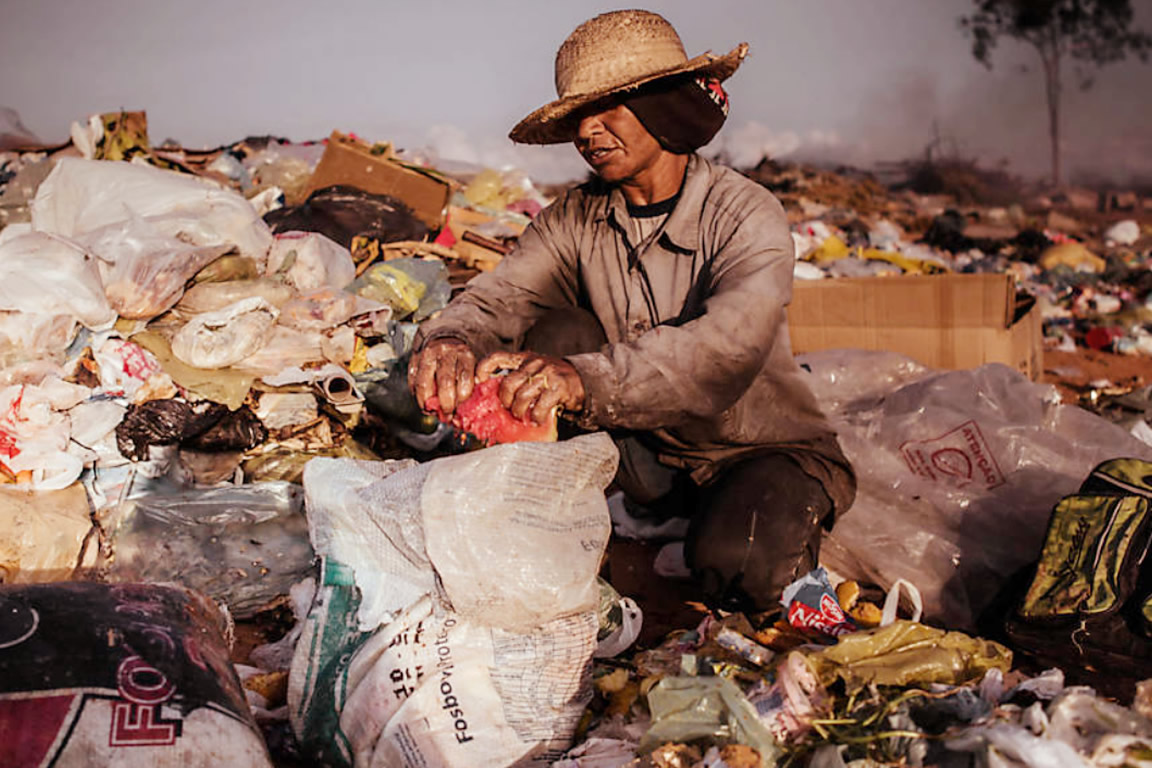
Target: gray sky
848, 80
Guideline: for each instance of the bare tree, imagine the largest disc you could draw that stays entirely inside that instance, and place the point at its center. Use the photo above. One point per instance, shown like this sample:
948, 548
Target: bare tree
1090, 32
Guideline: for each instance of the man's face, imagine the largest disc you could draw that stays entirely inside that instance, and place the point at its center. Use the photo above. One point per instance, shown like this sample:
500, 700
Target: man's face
616, 144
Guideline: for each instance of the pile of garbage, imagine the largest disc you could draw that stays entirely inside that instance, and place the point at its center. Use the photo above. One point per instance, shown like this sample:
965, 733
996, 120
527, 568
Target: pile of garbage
203, 383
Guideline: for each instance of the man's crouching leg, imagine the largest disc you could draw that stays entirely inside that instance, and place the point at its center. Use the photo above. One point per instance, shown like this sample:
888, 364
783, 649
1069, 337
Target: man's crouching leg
756, 530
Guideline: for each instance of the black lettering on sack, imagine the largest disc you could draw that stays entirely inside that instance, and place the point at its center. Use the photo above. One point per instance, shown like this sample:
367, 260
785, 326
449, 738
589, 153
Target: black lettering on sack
448, 699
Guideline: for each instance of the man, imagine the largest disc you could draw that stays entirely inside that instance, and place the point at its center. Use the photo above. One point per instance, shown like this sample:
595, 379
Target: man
672, 274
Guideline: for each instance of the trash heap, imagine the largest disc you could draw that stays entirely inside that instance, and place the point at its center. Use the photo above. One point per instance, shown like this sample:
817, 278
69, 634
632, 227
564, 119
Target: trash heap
203, 383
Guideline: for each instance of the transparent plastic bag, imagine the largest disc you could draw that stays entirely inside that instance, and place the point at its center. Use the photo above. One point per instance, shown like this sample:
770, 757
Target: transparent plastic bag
144, 271
957, 474
325, 308
243, 544
416, 287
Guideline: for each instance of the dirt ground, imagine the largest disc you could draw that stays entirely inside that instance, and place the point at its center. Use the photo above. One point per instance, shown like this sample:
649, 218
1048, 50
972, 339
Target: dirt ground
1077, 374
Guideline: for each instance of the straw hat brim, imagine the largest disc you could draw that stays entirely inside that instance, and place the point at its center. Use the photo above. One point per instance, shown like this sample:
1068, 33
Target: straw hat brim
553, 124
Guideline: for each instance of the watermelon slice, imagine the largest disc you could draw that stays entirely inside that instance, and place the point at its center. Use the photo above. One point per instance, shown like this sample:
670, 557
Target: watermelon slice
485, 417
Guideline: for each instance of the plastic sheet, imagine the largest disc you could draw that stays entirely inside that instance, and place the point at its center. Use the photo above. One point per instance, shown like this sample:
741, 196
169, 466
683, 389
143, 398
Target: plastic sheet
939, 463
245, 545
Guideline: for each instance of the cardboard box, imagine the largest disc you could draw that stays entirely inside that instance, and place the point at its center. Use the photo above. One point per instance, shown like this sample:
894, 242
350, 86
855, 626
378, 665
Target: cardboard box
943, 321
350, 161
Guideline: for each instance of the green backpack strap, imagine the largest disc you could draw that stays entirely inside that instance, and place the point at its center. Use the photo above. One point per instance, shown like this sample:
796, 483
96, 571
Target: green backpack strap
1118, 476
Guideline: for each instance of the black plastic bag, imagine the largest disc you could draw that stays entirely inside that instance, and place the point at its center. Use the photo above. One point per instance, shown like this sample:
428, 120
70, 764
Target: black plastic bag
341, 213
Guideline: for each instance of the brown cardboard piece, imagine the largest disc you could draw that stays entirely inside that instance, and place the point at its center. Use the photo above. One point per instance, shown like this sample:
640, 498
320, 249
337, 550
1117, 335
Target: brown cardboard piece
349, 161
942, 321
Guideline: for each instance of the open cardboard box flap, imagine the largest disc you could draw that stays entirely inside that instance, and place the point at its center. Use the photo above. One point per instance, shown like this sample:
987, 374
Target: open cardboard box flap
944, 321
347, 160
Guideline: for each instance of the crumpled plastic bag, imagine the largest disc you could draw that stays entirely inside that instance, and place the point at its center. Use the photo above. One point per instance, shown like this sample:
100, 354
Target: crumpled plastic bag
212, 296
44, 274
144, 271
204, 426
416, 287
689, 708
324, 308
309, 261
957, 474
125, 368
906, 653
28, 336
82, 196
35, 431
1077, 728
226, 336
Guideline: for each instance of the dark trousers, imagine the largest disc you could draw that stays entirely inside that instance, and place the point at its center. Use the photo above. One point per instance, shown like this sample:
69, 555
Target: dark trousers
754, 528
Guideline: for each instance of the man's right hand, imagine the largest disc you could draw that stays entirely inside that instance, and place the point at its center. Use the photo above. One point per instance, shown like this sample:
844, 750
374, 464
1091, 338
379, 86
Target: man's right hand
445, 368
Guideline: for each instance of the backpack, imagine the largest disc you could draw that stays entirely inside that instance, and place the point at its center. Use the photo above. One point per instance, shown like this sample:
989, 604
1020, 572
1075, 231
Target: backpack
1089, 603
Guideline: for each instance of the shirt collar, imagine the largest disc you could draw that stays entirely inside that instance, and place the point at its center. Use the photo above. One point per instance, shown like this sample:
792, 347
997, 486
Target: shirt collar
683, 225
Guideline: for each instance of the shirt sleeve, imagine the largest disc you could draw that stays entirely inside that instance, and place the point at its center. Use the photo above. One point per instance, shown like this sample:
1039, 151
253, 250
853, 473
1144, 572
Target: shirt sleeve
671, 375
498, 307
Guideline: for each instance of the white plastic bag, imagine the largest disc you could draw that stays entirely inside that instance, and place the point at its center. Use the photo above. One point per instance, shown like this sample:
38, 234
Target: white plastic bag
227, 336
28, 336
82, 196
44, 274
309, 261
455, 622
34, 437
958, 472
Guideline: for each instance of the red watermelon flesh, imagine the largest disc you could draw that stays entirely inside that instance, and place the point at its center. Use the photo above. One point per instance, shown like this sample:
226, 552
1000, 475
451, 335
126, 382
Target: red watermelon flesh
485, 417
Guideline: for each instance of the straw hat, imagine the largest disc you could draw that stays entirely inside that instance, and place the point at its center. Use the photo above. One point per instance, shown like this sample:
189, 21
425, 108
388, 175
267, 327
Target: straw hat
612, 53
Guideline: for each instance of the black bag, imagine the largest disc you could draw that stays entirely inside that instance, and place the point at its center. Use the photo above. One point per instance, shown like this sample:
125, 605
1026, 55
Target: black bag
341, 213
1089, 604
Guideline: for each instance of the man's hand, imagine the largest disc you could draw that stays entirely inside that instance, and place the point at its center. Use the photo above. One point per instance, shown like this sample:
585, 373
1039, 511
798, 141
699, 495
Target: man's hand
445, 368
536, 383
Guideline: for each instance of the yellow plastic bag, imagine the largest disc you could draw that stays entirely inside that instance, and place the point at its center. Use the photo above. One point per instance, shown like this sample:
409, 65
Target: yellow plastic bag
908, 653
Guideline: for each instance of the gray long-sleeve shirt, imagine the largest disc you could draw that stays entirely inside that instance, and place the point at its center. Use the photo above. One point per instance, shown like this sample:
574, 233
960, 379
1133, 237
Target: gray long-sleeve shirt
698, 351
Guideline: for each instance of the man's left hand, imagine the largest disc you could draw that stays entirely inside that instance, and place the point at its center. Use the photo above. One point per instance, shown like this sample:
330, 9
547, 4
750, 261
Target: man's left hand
536, 383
